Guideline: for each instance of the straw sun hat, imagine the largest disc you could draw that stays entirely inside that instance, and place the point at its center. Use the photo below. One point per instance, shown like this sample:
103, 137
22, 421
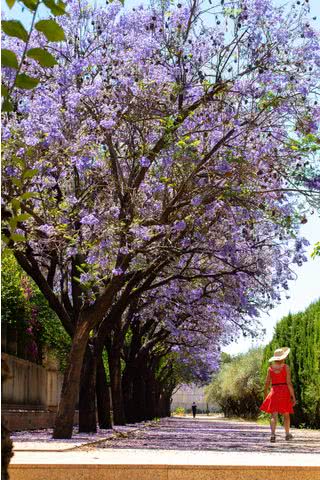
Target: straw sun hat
280, 354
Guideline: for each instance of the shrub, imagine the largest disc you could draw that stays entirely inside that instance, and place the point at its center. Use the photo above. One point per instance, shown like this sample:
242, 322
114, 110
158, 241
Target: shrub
179, 411
237, 387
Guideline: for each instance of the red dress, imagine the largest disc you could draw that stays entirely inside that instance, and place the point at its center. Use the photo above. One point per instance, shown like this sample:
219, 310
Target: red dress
278, 400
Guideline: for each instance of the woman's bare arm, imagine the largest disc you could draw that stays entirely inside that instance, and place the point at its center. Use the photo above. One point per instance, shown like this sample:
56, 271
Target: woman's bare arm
289, 383
267, 384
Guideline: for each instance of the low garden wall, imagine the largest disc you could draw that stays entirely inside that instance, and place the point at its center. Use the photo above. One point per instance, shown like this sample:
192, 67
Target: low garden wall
31, 396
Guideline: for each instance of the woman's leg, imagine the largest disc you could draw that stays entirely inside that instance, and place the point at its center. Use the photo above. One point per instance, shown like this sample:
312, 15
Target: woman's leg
286, 422
273, 423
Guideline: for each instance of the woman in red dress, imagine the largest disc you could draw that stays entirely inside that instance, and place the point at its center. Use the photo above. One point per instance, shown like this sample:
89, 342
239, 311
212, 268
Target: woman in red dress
281, 398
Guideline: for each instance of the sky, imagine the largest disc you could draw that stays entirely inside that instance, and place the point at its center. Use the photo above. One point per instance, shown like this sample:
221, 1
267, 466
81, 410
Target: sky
306, 288
302, 291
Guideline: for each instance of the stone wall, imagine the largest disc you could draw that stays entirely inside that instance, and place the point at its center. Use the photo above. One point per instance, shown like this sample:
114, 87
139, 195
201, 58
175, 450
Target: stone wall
30, 385
31, 419
31, 396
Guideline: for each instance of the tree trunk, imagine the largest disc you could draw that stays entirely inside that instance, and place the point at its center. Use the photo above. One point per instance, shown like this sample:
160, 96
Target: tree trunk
70, 388
167, 412
87, 394
150, 396
103, 397
139, 406
127, 393
116, 387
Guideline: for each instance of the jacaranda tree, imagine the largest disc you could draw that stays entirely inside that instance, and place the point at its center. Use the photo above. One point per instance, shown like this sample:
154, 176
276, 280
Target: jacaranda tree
157, 157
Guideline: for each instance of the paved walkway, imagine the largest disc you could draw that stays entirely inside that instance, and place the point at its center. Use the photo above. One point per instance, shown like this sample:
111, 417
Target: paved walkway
172, 449
202, 434
206, 434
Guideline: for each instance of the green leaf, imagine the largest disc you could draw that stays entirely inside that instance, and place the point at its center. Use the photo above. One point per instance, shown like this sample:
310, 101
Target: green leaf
4, 90
30, 173
9, 59
44, 58
10, 3
16, 237
14, 28
16, 181
57, 9
51, 30
13, 223
5, 239
27, 195
26, 82
31, 4
23, 217
15, 203
7, 105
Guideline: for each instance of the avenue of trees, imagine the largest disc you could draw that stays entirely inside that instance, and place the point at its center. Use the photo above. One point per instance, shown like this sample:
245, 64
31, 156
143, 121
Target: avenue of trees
149, 187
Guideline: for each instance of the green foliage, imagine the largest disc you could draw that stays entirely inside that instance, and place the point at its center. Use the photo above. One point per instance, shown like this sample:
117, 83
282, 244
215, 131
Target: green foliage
237, 387
26, 82
13, 302
9, 58
179, 411
23, 305
52, 31
301, 332
57, 8
316, 251
44, 58
14, 28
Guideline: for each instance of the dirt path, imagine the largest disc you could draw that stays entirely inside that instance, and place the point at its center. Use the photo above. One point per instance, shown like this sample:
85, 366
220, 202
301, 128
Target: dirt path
211, 434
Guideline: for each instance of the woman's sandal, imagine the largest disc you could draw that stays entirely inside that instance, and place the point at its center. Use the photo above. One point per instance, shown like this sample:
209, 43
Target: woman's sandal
272, 438
289, 436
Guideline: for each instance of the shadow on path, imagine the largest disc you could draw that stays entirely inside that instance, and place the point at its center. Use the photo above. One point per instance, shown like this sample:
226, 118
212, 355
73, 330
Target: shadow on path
214, 435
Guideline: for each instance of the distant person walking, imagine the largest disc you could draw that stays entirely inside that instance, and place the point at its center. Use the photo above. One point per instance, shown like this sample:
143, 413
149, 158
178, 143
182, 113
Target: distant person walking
194, 409
281, 398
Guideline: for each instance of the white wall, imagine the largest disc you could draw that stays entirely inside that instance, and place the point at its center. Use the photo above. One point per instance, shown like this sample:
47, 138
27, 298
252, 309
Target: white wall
31, 384
187, 394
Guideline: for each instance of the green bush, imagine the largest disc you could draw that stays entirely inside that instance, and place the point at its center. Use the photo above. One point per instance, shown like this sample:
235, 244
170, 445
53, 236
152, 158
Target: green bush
237, 387
25, 310
179, 411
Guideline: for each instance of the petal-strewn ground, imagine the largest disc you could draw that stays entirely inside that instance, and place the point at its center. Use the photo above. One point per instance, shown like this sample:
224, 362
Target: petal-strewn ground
216, 434
177, 433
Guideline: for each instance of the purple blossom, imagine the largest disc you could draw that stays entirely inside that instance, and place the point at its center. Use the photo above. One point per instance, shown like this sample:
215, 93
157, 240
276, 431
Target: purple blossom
196, 201
313, 183
85, 277
114, 212
117, 271
144, 162
107, 124
47, 229
20, 152
92, 258
179, 226
89, 220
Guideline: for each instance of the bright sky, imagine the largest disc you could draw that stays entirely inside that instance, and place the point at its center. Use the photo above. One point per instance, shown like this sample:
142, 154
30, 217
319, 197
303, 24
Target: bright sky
303, 291
306, 288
